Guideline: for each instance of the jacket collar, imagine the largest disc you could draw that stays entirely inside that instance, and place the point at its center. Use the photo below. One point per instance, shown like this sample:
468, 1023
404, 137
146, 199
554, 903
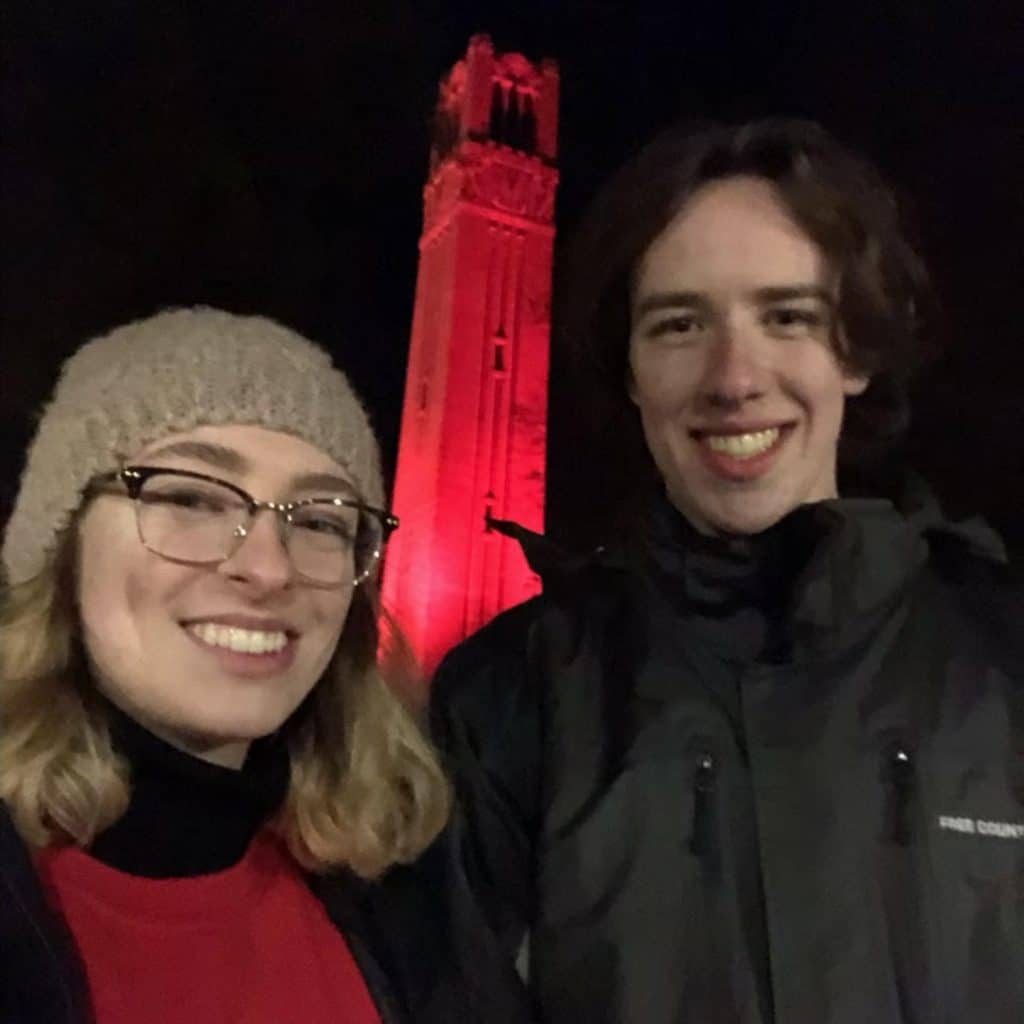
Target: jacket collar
834, 568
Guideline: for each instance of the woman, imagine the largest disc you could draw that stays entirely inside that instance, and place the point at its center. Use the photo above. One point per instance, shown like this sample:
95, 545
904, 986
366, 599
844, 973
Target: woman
201, 768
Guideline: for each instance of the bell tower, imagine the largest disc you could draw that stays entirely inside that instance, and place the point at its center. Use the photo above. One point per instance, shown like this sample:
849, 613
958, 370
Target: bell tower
474, 420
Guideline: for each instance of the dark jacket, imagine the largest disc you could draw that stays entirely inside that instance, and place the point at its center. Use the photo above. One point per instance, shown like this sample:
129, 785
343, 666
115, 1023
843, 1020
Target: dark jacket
423, 955
781, 782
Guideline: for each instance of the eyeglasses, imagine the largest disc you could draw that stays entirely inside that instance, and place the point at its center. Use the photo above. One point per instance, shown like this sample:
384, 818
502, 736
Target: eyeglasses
198, 519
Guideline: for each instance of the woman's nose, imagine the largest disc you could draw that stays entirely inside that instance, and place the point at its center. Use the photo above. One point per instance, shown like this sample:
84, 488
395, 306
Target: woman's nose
261, 557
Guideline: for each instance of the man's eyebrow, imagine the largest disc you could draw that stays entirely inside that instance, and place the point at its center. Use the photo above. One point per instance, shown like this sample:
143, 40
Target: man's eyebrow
213, 454
788, 292
696, 300
669, 300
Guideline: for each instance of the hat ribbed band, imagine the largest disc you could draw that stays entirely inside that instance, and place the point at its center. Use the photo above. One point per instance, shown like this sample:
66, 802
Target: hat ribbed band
165, 375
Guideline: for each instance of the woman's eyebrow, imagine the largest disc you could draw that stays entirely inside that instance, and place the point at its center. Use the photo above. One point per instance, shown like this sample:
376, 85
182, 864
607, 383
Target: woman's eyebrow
322, 482
216, 455
227, 459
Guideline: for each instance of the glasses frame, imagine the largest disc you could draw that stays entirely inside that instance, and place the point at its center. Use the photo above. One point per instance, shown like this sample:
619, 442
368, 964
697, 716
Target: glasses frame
134, 478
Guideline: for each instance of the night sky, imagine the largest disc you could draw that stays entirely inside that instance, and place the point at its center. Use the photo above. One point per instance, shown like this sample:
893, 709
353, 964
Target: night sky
269, 157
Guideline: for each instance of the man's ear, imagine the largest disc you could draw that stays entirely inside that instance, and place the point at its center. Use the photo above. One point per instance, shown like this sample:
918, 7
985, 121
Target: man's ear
855, 383
631, 385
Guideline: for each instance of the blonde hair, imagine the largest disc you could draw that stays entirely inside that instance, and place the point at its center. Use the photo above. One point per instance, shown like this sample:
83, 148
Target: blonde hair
366, 789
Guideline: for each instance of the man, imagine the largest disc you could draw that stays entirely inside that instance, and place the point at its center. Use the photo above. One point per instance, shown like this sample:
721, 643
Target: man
760, 758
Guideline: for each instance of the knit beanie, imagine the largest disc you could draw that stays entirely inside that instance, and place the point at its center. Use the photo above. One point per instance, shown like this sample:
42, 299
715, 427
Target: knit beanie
167, 374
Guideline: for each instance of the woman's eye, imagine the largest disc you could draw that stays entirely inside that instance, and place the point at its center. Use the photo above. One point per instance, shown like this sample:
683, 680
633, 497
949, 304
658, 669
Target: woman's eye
188, 499
328, 525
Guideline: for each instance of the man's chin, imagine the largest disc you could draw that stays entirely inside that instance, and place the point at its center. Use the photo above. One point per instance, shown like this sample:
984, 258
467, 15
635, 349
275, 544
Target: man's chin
738, 519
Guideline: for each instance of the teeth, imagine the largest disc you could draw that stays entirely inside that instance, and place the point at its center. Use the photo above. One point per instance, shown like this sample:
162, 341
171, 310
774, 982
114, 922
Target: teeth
245, 641
743, 446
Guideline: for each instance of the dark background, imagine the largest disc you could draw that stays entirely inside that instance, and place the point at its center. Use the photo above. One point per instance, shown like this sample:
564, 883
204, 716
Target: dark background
269, 157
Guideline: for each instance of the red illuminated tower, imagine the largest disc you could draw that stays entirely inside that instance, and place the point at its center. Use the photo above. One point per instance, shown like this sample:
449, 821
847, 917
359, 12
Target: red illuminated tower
474, 420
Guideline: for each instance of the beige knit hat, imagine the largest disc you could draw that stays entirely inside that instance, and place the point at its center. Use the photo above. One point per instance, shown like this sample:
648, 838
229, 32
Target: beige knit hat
167, 374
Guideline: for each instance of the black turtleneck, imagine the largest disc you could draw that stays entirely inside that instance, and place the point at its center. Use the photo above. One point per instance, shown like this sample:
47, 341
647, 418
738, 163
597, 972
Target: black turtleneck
187, 816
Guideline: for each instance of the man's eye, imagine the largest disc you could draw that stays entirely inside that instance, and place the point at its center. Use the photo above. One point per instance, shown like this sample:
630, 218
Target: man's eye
683, 324
788, 318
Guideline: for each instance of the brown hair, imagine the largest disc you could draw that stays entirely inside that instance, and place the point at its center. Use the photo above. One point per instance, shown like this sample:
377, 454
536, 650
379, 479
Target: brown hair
886, 308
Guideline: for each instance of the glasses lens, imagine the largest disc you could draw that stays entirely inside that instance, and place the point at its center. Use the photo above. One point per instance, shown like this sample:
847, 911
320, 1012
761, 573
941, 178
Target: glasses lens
188, 519
333, 542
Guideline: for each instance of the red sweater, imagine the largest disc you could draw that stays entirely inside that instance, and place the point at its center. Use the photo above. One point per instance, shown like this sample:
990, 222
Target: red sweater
248, 945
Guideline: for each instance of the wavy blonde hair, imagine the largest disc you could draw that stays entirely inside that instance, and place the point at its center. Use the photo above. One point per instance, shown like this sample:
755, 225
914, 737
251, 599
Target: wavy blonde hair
366, 788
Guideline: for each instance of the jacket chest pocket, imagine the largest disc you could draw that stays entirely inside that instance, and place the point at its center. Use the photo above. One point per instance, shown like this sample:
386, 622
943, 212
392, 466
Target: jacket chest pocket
632, 824
638, 841
975, 820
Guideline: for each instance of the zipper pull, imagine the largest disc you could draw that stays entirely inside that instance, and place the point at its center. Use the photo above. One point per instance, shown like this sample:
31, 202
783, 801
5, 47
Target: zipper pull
703, 791
900, 785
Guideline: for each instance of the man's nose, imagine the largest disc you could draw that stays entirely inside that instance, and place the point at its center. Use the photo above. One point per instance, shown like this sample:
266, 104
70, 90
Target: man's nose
733, 371
261, 560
